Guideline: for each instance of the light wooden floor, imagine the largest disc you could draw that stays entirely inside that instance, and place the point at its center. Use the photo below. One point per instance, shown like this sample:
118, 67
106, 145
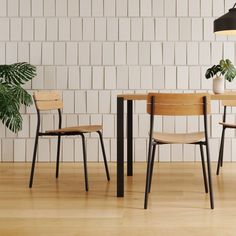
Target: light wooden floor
178, 204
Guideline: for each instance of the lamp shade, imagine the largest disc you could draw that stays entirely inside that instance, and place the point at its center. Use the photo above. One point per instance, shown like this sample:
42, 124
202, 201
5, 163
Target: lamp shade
226, 24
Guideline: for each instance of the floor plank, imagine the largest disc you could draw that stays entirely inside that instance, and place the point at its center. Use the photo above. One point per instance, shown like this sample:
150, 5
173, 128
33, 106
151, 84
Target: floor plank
177, 206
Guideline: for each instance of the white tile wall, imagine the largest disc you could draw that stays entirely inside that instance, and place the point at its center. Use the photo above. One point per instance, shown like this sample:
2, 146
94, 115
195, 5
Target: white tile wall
19, 150
7, 150
15, 27
4, 24
133, 8
92, 50
100, 29
37, 7
39, 30
13, 7
182, 7
109, 7
136, 29
76, 29
52, 29
49, 8
25, 7
28, 29
3, 7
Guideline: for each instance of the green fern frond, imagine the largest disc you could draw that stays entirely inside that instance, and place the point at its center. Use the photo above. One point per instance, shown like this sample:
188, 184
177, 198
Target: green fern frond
12, 95
18, 73
21, 95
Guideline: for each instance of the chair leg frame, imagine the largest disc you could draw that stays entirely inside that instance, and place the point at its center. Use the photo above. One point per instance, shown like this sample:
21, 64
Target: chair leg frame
205, 111
58, 155
148, 176
85, 162
152, 164
34, 160
203, 169
207, 184
221, 152
148, 173
35, 150
209, 175
58, 143
104, 154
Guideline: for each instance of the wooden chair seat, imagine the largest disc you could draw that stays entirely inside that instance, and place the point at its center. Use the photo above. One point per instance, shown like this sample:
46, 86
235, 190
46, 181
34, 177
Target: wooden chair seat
227, 125
170, 138
74, 129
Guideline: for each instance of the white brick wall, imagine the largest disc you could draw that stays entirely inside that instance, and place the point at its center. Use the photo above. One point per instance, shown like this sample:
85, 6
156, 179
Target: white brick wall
92, 50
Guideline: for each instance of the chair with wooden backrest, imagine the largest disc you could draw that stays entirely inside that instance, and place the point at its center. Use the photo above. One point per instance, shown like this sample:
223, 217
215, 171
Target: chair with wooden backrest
225, 125
51, 100
166, 104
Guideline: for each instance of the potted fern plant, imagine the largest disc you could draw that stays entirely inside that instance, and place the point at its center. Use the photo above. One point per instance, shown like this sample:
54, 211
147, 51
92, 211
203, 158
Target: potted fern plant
12, 94
224, 68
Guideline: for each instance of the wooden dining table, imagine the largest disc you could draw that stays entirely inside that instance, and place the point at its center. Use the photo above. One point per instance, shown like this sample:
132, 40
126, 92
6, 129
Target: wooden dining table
130, 98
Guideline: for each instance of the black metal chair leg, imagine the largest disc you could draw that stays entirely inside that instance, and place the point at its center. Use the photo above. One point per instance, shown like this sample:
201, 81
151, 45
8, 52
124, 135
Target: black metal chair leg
33, 161
152, 165
104, 155
221, 152
203, 168
85, 162
58, 155
209, 175
148, 176
222, 155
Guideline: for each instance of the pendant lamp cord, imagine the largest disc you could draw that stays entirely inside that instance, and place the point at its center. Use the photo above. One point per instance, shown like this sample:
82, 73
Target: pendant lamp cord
234, 5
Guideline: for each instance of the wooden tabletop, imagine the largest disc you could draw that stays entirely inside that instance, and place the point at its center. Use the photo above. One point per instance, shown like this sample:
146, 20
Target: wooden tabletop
228, 95
133, 96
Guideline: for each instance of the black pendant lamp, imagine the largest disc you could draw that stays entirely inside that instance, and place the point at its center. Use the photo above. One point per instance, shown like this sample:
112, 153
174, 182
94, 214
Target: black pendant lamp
226, 24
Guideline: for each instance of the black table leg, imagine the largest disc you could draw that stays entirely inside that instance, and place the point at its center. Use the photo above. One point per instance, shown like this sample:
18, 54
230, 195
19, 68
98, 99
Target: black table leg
130, 138
120, 147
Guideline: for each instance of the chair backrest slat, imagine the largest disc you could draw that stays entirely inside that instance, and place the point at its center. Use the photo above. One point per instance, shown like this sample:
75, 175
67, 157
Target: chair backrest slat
170, 104
50, 100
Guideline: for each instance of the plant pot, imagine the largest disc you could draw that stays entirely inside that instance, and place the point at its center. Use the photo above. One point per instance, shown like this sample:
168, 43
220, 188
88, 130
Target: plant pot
218, 85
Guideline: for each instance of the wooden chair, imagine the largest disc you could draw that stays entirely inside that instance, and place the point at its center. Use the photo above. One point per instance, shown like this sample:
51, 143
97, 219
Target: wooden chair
178, 105
225, 125
52, 101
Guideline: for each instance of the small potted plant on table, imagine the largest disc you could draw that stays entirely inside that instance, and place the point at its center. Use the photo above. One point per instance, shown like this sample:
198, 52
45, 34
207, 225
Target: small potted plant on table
224, 68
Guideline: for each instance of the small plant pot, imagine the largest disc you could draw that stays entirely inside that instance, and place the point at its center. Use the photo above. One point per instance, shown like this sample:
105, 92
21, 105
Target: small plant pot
218, 85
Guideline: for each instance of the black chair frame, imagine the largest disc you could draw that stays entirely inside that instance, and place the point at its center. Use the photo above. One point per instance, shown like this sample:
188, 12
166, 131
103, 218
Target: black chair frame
222, 142
59, 135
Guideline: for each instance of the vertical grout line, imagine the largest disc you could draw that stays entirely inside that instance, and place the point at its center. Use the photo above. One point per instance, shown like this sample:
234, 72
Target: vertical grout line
6, 15
127, 8
55, 12
43, 14
139, 8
